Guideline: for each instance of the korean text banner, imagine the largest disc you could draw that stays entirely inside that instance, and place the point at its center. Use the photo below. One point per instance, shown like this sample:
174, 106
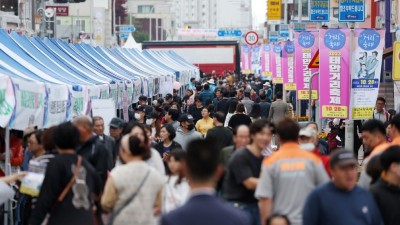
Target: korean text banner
30, 101
246, 59
351, 10
57, 98
7, 100
276, 64
288, 51
306, 47
274, 9
319, 10
334, 75
365, 72
265, 62
255, 59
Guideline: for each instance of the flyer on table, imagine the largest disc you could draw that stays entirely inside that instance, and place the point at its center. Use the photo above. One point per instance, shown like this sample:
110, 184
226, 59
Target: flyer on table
306, 44
334, 73
367, 51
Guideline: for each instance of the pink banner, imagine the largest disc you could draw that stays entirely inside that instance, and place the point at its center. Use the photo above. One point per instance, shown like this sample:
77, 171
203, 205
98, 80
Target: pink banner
288, 51
276, 64
265, 62
306, 47
334, 73
246, 59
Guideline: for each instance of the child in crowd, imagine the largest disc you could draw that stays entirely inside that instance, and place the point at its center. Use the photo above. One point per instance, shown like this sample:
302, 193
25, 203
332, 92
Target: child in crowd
176, 190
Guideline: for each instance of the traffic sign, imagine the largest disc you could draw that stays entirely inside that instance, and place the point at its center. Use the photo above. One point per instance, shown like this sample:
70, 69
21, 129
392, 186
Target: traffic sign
251, 38
124, 35
314, 64
127, 28
229, 33
273, 36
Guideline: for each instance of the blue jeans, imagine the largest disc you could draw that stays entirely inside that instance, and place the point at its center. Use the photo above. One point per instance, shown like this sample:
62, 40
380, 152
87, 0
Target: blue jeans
251, 209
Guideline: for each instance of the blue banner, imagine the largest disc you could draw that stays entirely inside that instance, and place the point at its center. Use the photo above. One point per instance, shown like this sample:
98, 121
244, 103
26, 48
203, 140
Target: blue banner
229, 33
351, 10
319, 10
284, 30
365, 83
273, 36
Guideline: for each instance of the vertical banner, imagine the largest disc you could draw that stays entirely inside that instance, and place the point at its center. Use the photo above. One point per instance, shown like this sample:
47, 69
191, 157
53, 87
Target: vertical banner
265, 62
255, 59
319, 10
137, 90
274, 10
57, 100
30, 102
246, 59
79, 101
104, 91
366, 68
7, 100
306, 47
276, 64
334, 75
351, 10
396, 61
288, 51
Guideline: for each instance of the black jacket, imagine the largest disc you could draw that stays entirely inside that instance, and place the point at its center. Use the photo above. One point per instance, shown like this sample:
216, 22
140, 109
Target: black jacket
96, 153
159, 147
387, 198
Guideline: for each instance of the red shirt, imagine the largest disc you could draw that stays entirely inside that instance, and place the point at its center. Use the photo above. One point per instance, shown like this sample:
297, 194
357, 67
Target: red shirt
325, 161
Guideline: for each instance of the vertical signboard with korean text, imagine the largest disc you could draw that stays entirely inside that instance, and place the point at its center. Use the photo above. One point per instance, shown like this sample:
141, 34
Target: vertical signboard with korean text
334, 75
274, 9
288, 51
319, 10
255, 59
366, 71
306, 44
276, 65
246, 59
265, 62
351, 10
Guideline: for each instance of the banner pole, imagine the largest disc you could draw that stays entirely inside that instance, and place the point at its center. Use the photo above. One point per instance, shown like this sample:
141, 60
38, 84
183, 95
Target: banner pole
7, 172
310, 88
349, 130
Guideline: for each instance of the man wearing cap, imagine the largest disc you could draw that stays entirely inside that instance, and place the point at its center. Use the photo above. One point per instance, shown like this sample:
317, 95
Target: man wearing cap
169, 99
116, 128
341, 201
211, 82
268, 90
308, 140
186, 132
140, 114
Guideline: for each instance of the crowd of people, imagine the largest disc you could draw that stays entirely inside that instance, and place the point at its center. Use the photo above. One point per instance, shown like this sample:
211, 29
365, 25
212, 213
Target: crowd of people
226, 152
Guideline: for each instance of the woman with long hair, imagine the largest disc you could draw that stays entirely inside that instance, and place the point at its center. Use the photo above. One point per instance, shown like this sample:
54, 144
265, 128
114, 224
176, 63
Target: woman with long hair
176, 190
231, 111
133, 196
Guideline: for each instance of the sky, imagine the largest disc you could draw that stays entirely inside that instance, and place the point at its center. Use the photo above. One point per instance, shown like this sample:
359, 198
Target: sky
259, 10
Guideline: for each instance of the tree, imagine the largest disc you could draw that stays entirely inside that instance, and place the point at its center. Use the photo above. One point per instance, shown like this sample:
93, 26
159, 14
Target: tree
139, 34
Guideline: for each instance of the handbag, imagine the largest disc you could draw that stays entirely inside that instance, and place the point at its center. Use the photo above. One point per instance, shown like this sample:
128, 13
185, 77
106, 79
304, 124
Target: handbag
129, 200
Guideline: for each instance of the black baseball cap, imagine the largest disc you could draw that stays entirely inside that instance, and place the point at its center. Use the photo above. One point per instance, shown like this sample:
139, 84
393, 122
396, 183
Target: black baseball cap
168, 96
342, 158
117, 123
141, 108
152, 115
186, 118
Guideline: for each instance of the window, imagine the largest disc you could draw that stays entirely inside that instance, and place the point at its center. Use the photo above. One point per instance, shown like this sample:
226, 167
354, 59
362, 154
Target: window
80, 24
145, 9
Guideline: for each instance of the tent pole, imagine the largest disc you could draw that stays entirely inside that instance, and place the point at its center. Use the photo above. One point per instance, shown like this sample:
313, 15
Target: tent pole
7, 172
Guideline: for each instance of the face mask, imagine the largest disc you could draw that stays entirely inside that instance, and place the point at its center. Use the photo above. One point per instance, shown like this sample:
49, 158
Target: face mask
149, 121
137, 116
191, 127
308, 146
